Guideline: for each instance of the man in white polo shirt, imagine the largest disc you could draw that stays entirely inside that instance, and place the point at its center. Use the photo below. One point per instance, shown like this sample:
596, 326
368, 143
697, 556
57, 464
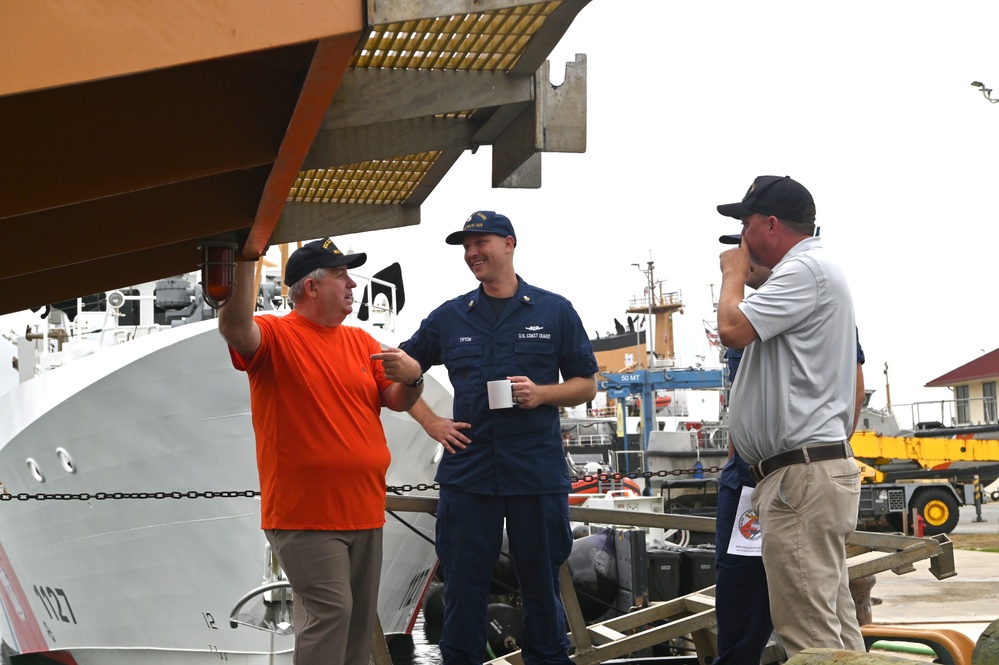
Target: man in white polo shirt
792, 409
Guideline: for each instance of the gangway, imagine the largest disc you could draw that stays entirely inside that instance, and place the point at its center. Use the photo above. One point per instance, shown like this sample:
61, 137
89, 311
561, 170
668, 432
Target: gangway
693, 614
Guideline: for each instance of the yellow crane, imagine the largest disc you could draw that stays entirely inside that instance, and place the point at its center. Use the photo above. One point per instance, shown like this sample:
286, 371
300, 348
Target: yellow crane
919, 475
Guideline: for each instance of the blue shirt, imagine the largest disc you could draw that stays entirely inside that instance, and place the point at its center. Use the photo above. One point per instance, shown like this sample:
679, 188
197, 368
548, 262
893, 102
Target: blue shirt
539, 335
732, 359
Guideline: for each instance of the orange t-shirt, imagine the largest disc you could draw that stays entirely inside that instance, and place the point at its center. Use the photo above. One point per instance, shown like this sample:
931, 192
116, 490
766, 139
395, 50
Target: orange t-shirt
316, 404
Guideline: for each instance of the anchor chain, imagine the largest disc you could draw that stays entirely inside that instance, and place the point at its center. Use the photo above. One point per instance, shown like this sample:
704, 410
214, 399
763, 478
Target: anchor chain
206, 494
635, 475
402, 489
103, 496
5, 495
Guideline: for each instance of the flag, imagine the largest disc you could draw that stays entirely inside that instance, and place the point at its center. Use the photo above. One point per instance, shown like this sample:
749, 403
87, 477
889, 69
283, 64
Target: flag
712, 334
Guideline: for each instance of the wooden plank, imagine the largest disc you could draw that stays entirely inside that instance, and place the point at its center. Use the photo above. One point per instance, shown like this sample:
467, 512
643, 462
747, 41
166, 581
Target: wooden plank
604, 634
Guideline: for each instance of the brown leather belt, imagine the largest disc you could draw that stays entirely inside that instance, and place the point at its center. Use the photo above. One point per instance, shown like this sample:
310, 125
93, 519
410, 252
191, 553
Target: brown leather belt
803, 455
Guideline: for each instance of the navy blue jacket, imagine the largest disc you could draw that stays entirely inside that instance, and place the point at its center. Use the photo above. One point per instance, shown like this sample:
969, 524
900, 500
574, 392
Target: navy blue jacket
539, 335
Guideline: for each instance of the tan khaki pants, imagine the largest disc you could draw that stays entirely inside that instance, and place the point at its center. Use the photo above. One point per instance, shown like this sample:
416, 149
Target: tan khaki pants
806, 512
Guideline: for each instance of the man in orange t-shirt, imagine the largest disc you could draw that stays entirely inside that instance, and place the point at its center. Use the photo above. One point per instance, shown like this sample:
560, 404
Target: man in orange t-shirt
316, 393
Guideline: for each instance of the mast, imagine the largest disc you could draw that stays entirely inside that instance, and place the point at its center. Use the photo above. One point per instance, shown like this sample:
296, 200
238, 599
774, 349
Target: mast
887, 390
660, 309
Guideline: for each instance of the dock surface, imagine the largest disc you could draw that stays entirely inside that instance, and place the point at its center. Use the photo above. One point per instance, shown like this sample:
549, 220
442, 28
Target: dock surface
967, 602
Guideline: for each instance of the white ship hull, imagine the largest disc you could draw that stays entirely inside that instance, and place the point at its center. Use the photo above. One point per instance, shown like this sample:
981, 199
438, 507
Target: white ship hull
118, 580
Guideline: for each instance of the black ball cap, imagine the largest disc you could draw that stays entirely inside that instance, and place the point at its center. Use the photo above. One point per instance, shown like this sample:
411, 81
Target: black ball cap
318, 254
775, 195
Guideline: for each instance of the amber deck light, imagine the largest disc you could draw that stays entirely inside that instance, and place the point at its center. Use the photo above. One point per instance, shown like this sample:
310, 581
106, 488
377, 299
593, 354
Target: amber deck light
218, 271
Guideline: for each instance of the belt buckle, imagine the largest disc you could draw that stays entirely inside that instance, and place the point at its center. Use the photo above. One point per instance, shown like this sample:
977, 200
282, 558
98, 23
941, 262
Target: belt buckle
756, 472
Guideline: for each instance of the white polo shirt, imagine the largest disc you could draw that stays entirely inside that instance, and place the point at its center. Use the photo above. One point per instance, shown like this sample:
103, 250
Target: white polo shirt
796, 385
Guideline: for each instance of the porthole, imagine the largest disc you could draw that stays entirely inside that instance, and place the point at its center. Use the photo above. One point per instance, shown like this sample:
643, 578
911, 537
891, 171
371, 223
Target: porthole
66, 460
35, 470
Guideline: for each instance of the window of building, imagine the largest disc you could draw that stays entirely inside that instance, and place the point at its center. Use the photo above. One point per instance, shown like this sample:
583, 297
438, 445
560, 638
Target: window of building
989, 399
961, 394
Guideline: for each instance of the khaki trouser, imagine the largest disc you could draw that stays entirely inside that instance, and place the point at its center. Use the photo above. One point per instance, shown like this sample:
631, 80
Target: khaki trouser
334, 575
806, 512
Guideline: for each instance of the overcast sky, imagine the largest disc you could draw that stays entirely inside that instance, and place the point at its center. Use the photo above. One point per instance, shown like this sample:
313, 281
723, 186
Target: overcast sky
868, 104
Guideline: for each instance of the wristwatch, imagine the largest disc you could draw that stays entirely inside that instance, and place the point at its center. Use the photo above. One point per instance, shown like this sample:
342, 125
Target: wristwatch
417, 383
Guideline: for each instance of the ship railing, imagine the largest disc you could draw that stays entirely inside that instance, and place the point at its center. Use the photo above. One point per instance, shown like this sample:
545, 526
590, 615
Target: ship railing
378, 295
674, 298
381, 299
603, 412
628, 460
709, 437
590, 440
663, 363
609, 488
56, 340
957, 412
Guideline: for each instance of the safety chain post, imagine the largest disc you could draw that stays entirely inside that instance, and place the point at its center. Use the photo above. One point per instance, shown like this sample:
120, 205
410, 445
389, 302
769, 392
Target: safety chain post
978, 501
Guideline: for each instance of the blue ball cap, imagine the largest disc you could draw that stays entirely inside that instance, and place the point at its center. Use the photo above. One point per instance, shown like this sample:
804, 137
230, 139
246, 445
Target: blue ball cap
483, 221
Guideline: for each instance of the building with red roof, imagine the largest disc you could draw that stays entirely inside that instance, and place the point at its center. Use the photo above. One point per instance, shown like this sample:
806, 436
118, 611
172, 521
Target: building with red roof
974, 387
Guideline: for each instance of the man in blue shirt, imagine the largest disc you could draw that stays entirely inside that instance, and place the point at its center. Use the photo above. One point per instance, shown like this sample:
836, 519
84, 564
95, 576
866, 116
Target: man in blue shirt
742, 603
506, 465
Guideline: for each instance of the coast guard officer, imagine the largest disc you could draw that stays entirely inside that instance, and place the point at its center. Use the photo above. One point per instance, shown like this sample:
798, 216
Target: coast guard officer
507, 465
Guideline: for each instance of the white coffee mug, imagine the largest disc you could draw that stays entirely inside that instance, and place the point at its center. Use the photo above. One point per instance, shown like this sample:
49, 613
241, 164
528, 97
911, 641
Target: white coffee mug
500, 394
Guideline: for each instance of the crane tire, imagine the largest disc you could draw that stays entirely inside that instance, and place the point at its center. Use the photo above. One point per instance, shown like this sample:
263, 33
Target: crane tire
939, 509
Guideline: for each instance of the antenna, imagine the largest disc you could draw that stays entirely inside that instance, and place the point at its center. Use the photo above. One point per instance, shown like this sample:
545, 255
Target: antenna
887, 390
